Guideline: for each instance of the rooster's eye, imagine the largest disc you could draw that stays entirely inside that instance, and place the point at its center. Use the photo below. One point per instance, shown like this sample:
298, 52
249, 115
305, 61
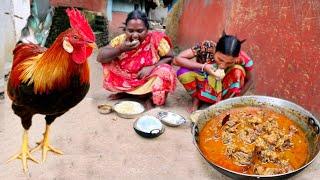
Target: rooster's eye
75, 37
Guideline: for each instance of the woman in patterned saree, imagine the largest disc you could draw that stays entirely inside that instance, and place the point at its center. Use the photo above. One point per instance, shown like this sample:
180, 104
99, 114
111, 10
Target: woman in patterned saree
220, 71
137, 62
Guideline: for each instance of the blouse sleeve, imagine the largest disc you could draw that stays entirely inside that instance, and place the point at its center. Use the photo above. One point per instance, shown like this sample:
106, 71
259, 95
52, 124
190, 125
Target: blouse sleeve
245, 61
117, 40
163, 47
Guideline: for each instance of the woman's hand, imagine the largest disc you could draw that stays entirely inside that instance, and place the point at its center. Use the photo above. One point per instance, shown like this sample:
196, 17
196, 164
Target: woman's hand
217, 73
128, 46
208, 68
145, 71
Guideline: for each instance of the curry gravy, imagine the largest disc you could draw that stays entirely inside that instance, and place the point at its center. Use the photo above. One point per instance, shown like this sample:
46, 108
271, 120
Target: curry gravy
254, 140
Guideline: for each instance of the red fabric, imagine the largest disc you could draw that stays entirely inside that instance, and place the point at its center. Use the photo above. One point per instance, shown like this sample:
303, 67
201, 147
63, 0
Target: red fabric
121, 74
235, 75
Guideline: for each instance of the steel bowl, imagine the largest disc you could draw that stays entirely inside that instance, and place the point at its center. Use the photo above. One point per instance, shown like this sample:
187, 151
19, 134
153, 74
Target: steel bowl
303, 118
148, 126
129, 115
104, 108
171, 119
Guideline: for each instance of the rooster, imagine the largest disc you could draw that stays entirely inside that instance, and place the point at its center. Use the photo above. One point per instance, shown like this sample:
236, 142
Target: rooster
50, 81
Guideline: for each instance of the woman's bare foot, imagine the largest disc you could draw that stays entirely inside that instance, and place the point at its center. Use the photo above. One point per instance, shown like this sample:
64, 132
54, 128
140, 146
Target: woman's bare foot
117, 96
195, 105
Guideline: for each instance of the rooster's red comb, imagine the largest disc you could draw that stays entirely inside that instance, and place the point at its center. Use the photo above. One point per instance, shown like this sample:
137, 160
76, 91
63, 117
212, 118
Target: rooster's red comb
79, 22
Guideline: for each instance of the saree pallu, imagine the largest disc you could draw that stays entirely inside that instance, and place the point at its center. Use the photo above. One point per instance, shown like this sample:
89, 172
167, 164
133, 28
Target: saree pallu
121, 75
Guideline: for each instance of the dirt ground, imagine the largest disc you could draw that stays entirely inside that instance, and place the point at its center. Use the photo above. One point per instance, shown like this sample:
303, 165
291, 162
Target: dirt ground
100, 146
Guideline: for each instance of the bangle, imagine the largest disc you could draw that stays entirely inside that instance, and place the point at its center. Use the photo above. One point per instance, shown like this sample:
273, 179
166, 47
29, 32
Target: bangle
202, 68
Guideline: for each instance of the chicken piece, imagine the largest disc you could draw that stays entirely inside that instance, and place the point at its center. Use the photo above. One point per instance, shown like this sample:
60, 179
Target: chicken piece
268, 156
258, 129
232, 129
261, 144
247, 135
271, 138
242, 158
286, 166
231, 123
272, 171
255, 120
227, 137
261, 170
240, 155
270, 125
249, 149
230, 149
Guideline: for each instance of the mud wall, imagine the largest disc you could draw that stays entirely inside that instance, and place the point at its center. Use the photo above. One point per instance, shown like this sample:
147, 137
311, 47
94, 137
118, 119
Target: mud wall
282, 38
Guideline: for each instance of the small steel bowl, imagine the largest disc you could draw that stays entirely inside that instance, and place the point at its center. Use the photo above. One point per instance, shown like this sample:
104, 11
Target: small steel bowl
171, 119
120, 107
104, 108
148, 126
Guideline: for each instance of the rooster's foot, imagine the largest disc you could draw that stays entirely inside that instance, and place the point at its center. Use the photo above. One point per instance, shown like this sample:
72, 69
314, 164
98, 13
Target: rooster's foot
45, 145
24, 154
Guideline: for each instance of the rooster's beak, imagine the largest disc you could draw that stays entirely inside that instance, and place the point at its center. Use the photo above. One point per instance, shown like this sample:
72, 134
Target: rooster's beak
93, 45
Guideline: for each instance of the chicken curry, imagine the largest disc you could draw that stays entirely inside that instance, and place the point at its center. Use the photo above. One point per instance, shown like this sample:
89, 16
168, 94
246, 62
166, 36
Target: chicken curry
254, 140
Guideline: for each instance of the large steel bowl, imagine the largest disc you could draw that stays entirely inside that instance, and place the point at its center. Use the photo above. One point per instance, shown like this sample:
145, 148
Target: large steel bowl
303, 118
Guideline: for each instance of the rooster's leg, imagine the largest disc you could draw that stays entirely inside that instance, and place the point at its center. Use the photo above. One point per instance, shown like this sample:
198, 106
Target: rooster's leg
24, 154
45, 145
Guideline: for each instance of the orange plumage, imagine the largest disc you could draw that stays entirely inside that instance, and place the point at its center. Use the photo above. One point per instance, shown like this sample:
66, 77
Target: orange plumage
48, 69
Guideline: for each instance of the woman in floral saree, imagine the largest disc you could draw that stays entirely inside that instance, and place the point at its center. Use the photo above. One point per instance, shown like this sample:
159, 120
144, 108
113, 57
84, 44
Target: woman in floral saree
137, 62
220, 70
